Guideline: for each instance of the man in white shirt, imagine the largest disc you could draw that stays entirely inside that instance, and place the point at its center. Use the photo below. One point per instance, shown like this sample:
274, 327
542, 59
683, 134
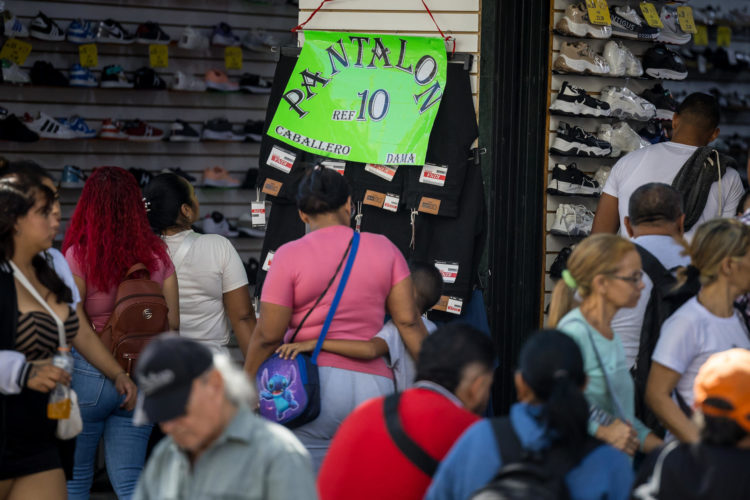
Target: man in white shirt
694, 125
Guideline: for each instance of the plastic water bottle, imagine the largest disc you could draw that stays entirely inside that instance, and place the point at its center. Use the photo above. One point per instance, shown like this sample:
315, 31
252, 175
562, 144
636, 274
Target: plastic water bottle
59, 399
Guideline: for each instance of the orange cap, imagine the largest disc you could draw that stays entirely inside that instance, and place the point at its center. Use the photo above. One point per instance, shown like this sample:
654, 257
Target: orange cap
722, 386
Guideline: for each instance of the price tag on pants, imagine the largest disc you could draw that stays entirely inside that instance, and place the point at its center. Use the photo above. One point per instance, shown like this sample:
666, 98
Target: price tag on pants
269, 260
258, 212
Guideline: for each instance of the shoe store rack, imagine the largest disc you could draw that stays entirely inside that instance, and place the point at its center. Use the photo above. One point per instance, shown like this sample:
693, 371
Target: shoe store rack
159, 108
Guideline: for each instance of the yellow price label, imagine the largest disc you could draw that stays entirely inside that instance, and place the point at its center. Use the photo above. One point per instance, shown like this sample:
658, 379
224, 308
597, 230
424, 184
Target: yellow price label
701, 36
650, 15
598, 12
686, 20
88, 55
158, 56
724, 36
15, 50
233, 57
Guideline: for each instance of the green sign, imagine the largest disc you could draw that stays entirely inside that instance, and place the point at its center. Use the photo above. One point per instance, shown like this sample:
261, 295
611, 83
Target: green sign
363, 97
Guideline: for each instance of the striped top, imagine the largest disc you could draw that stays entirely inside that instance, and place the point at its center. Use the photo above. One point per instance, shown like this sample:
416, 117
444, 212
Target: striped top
37, 336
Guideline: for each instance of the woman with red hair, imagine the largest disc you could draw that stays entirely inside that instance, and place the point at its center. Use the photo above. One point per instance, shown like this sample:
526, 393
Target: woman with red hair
109, 233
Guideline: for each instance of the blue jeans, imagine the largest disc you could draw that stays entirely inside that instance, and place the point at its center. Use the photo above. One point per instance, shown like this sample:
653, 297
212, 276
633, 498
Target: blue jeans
124, 444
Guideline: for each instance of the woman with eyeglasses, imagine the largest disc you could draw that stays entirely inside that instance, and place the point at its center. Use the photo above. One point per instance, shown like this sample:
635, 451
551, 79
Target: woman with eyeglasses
603, 275
706, 324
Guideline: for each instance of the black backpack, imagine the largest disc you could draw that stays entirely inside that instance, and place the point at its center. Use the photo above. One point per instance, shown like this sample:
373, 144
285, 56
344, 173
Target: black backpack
526, 475
666, 297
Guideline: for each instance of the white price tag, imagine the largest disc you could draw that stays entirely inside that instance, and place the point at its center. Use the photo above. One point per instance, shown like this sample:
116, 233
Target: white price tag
258, 212
338, 166
268, 261
386, 172
281, 159
449, 271
454, 306
433, 174
391, 202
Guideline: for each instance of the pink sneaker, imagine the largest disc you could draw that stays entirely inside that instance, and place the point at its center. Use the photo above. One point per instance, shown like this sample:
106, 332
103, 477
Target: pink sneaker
219, 177
218, 80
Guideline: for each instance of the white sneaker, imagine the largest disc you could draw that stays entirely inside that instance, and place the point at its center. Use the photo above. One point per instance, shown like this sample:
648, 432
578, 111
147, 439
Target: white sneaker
572, 220
601, 176
259, 41
616, 55
189, 83
48, 128
634, 66
671, 32
13, 28
624, 103
211, 226
193, 39
626, 139
12, 73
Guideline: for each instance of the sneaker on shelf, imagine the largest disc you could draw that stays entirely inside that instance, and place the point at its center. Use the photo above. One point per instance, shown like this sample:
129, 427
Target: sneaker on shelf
82, 77
666, 106
12, 27
560, 263
113, 77
578, 57
188, 83
259, 40
143, 177
193, 39
148, 79
623, 139
219, 129
634, 66
622, 62
177, 170
181, 131
572, 220
254, 84
13, 129
672, 32
662, 63
149, 33
72, 177
112, 130
110, 31
79, 126
81, 31
140, 131
574, 141
216, 223
626, 23
601, 175
574, 101
253, 130
625, 104
223, 36
44, 28
47, 127
43, 73
219, 177
12, 73
653, 132
245, 226
567, 180
216, 79
575, 22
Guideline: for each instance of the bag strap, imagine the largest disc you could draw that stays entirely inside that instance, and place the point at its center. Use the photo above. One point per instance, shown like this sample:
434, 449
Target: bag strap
182, 250
137, 267
27, 285
650, 488
403, 442
507, 440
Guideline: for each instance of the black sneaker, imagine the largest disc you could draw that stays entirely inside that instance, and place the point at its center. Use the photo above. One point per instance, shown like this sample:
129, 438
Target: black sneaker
664, 64
113, 77
142, 176
181, 173
254, 84
573, 101
653, 132
13, 129
253, 130
44, 28
574, 141
111, 31
662, 99
626, 23
560, 263
569, 181
183, 132
43, 73
147, 78
148, 33
219, 129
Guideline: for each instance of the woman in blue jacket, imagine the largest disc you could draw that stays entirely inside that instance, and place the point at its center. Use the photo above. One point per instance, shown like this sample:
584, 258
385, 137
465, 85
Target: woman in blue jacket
551, 410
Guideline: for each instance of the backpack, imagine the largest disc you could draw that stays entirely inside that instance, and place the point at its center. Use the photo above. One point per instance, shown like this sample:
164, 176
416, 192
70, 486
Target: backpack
666, 297
140, 314
525, 474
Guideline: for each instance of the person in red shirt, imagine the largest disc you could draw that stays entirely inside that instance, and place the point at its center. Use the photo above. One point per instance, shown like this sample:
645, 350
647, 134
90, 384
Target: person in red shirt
454, 375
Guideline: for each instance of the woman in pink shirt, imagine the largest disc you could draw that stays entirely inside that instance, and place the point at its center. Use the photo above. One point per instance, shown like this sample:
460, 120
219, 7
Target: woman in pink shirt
379, 283
108, 234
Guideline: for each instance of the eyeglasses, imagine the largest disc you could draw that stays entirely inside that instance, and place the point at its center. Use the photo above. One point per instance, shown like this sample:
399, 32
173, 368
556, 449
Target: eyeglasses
636, 278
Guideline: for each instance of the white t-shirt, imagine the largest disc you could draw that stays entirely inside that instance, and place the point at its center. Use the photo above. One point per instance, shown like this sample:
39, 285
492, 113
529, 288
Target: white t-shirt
690, 336
62, 269
210, 269
628, 322
398, 359
661, 163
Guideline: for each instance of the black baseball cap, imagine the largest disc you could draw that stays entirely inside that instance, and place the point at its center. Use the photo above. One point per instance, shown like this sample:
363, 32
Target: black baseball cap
165, 373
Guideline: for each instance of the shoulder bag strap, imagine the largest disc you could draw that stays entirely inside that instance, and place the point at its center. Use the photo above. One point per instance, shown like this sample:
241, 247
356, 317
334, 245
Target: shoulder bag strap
26, 284
403, 442
136, 267
183, 249
507, 440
